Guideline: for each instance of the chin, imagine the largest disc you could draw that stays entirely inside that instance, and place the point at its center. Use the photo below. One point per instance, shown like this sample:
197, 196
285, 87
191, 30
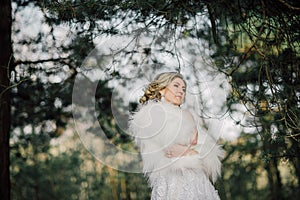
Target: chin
177, 103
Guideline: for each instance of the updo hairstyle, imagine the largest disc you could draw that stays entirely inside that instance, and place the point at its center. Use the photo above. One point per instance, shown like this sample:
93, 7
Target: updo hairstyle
160, 82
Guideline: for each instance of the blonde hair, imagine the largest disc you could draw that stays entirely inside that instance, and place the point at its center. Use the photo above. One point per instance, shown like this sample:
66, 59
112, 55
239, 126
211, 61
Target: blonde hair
160, 82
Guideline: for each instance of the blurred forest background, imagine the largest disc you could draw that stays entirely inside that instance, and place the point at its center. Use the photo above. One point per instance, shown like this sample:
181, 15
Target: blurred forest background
253, 43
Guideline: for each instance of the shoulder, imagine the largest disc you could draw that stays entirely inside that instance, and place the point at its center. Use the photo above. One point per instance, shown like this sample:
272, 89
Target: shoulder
150, 107
157, 107
148, 112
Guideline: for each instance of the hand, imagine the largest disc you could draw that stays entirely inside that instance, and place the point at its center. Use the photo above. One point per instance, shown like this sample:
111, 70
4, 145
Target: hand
177, 150
194, 137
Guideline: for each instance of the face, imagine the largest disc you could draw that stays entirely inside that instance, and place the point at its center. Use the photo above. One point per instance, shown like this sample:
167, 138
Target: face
175, 92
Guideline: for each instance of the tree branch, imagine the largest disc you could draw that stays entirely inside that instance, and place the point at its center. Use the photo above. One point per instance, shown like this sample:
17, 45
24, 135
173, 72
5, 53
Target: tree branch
249, 51
288, 5
11, 86
26, 62
213, 24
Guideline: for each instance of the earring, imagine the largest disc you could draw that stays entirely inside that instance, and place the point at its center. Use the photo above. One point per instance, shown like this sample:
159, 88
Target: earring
162, 99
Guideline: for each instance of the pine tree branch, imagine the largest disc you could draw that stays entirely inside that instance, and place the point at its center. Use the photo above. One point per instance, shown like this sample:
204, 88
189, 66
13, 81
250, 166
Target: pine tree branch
26, 62
11, 86
289, 6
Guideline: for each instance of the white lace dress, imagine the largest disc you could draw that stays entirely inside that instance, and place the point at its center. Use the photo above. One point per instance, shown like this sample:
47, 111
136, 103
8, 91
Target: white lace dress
155, 127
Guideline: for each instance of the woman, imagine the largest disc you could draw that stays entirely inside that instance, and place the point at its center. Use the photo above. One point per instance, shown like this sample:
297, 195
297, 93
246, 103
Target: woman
177, 163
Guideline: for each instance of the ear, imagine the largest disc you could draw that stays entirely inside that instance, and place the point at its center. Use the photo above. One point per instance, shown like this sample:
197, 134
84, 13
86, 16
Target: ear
162, 92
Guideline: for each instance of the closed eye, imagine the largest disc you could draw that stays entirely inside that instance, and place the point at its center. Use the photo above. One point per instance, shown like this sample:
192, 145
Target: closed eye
177, 85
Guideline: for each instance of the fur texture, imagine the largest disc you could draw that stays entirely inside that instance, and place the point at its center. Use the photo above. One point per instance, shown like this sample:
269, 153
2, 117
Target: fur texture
156, 126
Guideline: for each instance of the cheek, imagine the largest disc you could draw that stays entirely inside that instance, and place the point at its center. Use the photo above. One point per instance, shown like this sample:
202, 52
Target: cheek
169, 93
170, 96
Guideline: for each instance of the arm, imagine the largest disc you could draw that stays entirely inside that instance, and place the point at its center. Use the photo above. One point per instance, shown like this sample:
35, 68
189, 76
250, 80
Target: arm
194, 135
178, 150
194, 138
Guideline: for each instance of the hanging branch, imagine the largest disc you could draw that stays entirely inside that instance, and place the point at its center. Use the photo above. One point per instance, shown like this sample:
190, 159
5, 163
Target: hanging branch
246, 55
289, 6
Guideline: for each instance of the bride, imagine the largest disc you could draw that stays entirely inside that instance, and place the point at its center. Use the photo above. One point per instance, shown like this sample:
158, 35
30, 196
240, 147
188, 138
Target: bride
178, 164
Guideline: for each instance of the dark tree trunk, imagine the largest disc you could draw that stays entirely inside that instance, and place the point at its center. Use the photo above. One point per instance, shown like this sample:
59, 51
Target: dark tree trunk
274, 179
5, 68
296, 160
271, 167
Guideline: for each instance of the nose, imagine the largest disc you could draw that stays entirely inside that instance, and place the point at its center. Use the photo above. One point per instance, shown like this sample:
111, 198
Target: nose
181, 91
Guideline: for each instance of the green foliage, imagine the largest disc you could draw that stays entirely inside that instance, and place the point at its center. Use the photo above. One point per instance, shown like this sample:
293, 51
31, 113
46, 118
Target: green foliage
69, 174
255, 43
246, 172
40, 175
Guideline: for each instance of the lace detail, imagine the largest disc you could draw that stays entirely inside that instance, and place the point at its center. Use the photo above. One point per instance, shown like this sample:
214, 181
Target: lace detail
187, 185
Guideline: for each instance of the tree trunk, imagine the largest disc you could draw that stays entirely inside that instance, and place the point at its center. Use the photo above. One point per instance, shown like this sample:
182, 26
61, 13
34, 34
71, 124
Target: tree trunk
5, 68
271, 166
296, 160
274, 179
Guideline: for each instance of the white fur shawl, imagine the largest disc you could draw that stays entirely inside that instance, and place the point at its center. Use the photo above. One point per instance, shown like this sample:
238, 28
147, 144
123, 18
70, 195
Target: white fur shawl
158, 125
